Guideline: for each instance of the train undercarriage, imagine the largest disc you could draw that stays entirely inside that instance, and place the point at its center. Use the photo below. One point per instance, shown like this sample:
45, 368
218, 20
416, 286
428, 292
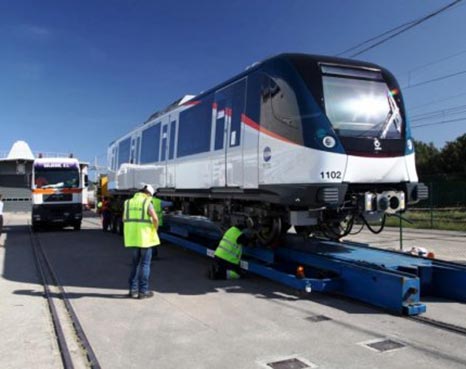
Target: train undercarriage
330, 215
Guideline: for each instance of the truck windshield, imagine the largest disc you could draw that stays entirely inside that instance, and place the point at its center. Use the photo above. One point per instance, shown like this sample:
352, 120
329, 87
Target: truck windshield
56, 178
361, 108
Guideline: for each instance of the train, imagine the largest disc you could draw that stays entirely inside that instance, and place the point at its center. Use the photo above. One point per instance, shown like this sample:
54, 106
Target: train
315, 142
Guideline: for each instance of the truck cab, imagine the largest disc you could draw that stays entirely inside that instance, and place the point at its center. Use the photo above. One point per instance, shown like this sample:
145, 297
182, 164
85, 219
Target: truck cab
57, 192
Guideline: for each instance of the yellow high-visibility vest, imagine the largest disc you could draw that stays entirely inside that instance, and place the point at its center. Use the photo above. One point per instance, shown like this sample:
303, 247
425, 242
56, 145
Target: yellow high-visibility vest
158, 209
138, 228
229, 249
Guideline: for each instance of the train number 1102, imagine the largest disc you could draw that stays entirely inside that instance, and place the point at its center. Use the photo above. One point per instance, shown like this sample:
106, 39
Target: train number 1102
330, 175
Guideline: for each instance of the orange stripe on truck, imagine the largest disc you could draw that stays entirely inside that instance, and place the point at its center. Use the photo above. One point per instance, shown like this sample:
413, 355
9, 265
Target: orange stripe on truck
51, 191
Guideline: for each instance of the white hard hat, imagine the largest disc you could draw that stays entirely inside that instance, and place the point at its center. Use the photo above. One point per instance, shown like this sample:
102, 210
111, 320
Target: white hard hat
149, 189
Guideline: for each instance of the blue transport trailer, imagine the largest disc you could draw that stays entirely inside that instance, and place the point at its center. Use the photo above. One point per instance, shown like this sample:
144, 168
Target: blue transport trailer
390, 280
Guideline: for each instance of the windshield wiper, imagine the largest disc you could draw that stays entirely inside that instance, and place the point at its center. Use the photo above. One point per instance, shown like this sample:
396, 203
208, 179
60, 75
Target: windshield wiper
393, 117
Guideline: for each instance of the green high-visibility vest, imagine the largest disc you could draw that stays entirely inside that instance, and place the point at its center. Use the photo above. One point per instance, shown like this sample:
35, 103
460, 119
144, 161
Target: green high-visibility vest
158, 209
229, 249
138, 228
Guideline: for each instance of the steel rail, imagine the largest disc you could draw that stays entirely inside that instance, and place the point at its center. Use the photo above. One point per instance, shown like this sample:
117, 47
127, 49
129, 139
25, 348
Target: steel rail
62, 345
81, 336
439, 324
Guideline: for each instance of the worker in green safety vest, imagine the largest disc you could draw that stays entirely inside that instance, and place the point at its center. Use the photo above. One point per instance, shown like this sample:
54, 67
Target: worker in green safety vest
157, 203
140, 235
158, 209
227, 255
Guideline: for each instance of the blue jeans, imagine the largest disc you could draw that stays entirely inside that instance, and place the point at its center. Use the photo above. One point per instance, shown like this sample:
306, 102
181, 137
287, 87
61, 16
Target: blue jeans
140, 271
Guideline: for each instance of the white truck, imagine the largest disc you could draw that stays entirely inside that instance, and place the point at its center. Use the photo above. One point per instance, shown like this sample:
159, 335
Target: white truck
58, 189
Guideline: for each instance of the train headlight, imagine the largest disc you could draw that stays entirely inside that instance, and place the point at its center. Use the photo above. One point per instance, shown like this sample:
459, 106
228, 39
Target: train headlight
409, 144
329, 142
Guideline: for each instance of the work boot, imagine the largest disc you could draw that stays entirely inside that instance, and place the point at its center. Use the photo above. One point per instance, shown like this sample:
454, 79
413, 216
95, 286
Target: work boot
146, 295
133, 294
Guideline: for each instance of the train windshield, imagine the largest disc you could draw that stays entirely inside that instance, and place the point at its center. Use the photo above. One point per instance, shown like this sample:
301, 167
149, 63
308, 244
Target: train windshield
359, 103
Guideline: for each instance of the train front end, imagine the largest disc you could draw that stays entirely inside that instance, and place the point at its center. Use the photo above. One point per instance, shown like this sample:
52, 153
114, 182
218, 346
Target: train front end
362, 118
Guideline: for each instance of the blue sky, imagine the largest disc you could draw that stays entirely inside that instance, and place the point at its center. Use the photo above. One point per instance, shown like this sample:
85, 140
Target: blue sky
74, 75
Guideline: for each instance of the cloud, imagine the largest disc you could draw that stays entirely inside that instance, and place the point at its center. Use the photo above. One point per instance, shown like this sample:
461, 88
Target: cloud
34, 32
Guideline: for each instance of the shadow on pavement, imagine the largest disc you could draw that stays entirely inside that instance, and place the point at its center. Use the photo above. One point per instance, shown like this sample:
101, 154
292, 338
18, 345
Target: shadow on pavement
95, 260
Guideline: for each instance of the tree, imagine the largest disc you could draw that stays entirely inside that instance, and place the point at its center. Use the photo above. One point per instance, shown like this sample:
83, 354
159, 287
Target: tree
453, 156
428, 159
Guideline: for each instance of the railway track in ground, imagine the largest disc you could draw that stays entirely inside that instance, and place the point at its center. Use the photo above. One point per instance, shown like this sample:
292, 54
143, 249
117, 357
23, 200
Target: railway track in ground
439, 324
75, 349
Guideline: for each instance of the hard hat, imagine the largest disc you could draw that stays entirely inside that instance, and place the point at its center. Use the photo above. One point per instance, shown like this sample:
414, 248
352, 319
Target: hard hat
149, 189
421, 251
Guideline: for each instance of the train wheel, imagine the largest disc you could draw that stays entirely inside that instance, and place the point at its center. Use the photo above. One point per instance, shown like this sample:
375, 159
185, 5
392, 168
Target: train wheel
270, 232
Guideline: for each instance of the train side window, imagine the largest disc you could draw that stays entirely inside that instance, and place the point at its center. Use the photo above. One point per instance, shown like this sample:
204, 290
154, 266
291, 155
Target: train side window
237, 108
280, 111
150, 144
194, 128
164, 143
136, 151
171, 149
112, 158
123, 151
220, 125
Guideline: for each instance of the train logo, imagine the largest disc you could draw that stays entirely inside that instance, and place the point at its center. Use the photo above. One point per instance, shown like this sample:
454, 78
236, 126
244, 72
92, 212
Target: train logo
267, 154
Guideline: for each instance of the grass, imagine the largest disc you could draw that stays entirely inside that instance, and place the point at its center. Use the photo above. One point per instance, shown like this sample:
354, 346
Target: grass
444, 219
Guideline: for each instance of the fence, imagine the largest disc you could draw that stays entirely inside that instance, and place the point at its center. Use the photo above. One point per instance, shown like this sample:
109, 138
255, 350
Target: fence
445, 191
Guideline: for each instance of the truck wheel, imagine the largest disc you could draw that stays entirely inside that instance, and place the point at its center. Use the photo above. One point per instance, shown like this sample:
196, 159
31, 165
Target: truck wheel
77, 226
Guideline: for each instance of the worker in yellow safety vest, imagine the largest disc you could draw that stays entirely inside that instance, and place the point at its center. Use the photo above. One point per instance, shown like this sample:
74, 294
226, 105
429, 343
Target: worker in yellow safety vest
227, 255
157, 203
140, 235
158, 209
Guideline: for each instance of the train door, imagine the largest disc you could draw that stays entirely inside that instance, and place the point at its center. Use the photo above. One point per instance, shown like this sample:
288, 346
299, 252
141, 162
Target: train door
219, 130
164, 150
227, 158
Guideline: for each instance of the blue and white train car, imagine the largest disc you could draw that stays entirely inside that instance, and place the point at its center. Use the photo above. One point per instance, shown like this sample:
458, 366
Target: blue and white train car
310, 141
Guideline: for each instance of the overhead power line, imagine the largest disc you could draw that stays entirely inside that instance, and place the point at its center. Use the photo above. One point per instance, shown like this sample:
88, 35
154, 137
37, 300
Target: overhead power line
388, 35
439, 113
373, 39
448, 57
440, 123
437, 101
435, 79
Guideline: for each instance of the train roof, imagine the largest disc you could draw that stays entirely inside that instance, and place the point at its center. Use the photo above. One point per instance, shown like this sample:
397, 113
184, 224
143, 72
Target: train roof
294, 58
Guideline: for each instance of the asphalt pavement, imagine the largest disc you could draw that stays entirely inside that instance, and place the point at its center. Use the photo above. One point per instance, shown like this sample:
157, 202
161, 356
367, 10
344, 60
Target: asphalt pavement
193, 322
